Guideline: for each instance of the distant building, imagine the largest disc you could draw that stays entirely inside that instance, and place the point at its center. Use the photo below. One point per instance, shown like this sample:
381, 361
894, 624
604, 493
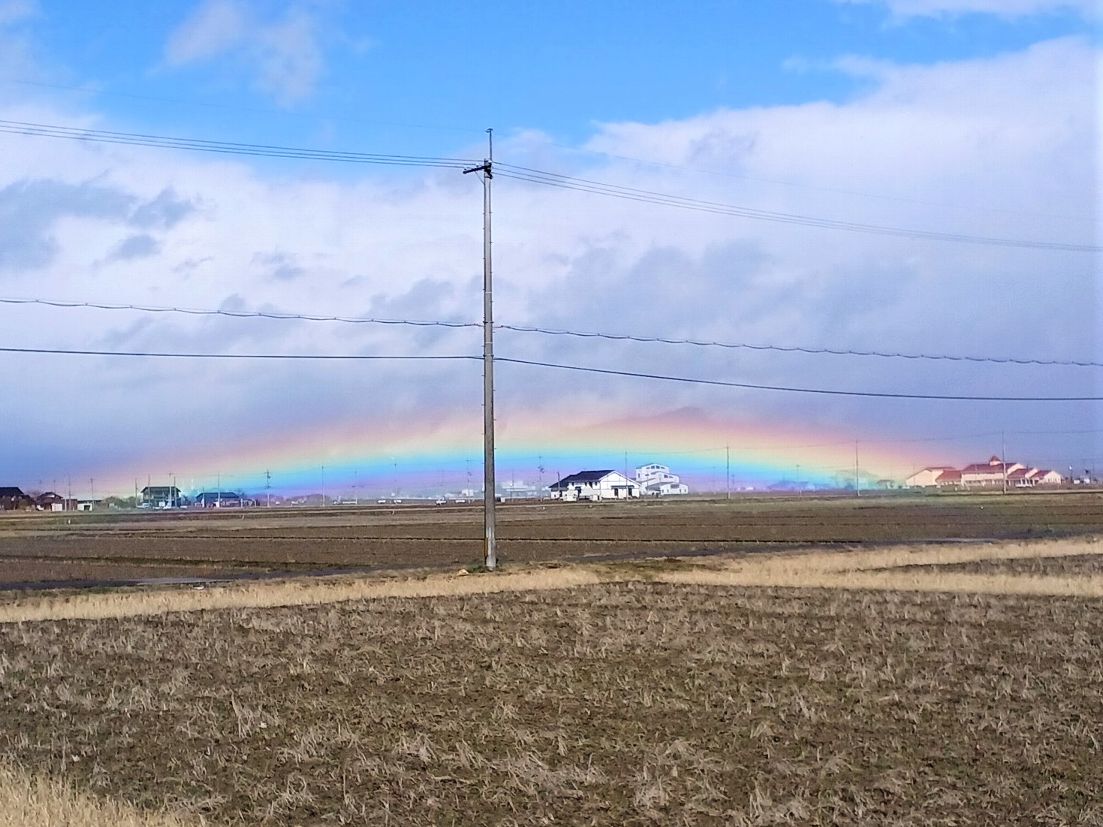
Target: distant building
13, 499
950, 478
988, 474
221, 499
927, 477
595, 485
656, 481
49, 501
1046, 477
162, 496
992, 474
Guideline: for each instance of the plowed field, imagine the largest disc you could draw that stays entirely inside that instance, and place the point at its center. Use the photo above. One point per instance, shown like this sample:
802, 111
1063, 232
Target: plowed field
88, 549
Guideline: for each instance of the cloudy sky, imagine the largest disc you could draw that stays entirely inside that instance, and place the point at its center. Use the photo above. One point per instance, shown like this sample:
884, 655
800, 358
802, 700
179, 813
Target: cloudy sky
919, 177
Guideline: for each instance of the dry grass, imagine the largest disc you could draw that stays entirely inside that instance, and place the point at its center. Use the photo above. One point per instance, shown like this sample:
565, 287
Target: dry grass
27, 801
911, 568
911, 685
317, 591
636, 703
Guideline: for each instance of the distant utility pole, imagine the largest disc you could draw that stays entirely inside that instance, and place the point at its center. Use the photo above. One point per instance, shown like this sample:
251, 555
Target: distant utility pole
727, 472
489, 485
1003, 459
267, 489
857, 484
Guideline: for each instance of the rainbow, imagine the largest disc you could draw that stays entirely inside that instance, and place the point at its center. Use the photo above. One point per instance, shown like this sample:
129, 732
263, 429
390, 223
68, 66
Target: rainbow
357, 459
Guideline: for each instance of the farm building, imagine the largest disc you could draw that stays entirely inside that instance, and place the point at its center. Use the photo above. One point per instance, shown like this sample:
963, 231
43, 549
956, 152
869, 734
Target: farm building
221, 499
991, 474
927, 476
162, 496
657, 481
988, 474
595, 485
950, 478
13, 499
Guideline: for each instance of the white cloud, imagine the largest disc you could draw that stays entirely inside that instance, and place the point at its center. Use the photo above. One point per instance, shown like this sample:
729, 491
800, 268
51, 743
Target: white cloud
289, 58
1003, 147
283, 55
999, 8
215, 27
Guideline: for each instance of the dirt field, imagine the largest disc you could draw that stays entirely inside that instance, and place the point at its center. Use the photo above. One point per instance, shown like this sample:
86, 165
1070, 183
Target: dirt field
662, 692
122, 547
618, 703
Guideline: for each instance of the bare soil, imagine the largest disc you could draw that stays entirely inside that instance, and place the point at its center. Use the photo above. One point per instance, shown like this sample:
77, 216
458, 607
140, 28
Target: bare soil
629, 703
82, 547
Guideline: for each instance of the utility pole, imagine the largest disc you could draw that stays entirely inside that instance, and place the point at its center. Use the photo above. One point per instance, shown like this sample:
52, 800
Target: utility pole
857, 484
489, 485
267, 489
1003, 459
727, 472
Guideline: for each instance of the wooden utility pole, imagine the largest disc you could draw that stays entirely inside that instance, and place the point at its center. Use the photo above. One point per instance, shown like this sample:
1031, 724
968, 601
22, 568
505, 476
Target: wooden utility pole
490, 554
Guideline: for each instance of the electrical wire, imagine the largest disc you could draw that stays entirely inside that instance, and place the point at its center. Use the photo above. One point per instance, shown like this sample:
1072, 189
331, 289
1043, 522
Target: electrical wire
351, 357
238, 314
225, 147
553, 179
281, 316
520, 173
534, 363
801, 349
787, 389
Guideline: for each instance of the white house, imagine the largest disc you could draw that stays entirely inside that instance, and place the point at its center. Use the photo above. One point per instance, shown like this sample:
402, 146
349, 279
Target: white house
657, 481
593, 486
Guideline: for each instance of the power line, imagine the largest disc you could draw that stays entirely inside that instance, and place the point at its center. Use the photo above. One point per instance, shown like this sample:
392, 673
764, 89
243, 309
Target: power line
787, 389
553, 179
289, 316
237, 314
533, 363
802, 349
351, 357
526, 174
225, 147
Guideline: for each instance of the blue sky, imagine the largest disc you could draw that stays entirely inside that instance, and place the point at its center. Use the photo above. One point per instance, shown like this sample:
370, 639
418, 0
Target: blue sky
975, 117
378, 74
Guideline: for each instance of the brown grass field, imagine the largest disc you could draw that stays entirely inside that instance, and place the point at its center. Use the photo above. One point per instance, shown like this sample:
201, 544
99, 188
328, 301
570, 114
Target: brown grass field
859, 684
